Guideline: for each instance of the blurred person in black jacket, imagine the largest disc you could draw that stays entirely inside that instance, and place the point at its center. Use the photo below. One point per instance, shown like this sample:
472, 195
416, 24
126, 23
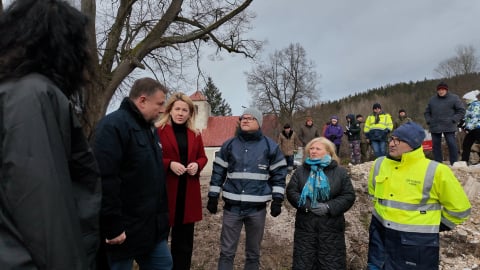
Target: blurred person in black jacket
50, 191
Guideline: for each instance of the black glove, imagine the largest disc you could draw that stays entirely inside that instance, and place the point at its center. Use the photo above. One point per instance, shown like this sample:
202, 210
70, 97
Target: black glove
444, 227
320, 209
212, 205
276, 207
332, 137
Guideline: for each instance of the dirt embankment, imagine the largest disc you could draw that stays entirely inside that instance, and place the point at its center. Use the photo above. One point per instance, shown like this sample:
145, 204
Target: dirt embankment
460, 249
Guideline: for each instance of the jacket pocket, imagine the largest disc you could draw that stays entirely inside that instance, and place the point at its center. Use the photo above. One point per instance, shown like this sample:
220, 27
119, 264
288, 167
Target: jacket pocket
418, 251
420, 239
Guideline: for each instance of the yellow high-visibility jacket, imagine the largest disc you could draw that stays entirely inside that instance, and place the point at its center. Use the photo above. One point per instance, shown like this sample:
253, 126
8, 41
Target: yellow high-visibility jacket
415, 194
378, 131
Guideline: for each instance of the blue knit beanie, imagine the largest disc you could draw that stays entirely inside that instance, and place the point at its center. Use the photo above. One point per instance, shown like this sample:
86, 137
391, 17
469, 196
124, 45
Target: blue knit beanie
411, 133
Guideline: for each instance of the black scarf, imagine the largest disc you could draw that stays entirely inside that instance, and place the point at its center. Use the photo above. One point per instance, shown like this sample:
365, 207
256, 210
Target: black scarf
287, 135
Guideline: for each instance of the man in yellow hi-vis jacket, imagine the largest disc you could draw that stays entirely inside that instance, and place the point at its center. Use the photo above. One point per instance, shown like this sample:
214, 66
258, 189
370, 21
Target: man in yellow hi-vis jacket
414, 198
377, 127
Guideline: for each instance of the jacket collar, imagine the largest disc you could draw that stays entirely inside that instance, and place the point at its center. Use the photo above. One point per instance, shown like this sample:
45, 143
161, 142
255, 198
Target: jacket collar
411, 157
128, 105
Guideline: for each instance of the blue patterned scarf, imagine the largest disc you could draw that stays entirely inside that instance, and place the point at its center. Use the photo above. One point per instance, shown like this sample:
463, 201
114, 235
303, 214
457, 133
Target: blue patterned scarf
317, 182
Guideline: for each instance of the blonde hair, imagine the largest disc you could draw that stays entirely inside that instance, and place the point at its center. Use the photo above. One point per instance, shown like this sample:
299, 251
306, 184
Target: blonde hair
330, 147
167, 118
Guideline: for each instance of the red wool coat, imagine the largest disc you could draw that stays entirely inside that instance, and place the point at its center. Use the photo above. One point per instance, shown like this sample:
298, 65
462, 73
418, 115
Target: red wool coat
196, 153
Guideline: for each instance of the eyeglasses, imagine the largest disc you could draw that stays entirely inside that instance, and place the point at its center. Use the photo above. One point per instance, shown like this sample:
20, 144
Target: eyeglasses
396, 141
248, 119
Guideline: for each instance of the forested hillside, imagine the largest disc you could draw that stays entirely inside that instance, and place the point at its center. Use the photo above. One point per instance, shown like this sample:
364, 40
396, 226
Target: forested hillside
411, 96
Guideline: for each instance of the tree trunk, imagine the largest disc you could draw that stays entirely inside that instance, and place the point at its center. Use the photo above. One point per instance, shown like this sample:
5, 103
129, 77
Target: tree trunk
96, 99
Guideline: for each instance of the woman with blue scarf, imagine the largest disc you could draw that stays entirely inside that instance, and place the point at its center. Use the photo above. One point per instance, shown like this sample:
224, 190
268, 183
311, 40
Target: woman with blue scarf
322, 192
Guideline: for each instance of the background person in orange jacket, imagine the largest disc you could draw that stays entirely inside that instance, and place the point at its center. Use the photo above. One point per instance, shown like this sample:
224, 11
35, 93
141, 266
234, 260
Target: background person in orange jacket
184, 157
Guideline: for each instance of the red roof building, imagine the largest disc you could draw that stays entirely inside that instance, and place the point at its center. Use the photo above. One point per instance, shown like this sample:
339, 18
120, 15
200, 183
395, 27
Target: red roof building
217, 129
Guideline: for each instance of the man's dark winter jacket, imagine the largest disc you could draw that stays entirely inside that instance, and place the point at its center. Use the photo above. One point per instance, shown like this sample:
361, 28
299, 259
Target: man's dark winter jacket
250, 169
307, 133
444, 113
50, 191
326, 234
133, 180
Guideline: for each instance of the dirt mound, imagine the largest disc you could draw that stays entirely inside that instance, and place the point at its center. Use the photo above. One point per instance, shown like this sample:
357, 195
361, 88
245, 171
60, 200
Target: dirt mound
460, 248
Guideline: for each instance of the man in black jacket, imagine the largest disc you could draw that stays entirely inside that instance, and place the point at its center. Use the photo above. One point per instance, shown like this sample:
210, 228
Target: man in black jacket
134, 215
443, 113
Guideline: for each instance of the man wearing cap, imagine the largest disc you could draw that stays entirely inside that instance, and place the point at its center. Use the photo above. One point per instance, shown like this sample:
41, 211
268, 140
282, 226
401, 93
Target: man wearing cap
443, 113
402, 118
414, 199
472, 123
377, 126
251, 170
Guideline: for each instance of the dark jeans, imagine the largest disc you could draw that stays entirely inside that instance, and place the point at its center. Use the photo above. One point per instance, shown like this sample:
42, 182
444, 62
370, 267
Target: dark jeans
379, 148
289, 160
182, 246
451, 143
159, 259
468, 141
337, 149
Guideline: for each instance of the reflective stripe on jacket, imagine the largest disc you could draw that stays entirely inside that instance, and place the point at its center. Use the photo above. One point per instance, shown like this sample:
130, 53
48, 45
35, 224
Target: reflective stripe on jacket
378, 131
249, 171
416, 194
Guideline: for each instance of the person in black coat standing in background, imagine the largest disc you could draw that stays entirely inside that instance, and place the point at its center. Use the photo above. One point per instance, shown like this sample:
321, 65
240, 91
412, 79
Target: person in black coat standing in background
443, 113
322, 192
352, 130
50, 190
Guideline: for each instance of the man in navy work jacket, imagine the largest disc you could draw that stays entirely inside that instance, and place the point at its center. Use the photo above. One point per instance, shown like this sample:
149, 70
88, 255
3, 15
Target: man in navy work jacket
251, 169
134, 215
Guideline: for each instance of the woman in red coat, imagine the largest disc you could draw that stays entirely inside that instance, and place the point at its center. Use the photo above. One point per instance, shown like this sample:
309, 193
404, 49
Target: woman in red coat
184, 156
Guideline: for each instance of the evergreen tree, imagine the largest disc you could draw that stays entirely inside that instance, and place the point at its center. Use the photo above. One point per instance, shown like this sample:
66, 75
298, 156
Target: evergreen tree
219, 106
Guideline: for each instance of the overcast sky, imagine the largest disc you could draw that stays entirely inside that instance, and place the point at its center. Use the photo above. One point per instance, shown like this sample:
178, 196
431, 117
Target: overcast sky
356, 45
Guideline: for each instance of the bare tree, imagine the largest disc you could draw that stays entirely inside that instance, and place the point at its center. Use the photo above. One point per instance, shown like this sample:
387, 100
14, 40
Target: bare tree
161, 37
464, 62
287, 83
